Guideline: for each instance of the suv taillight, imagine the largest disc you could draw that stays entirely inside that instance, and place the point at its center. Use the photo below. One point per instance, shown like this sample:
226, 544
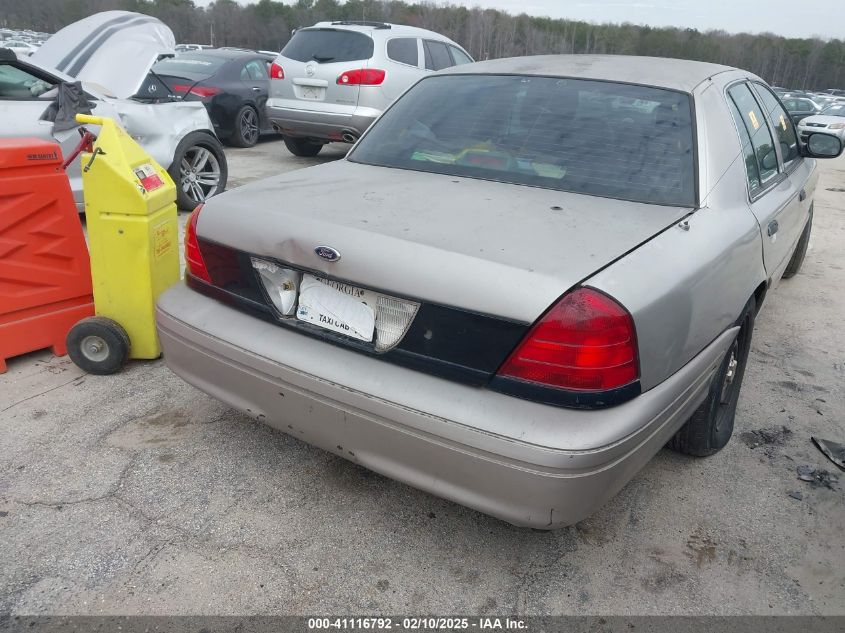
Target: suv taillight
585, 343
276, 71
362, 77
194, 262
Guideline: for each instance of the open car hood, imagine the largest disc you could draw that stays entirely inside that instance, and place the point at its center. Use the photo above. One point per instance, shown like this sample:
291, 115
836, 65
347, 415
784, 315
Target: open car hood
114, 49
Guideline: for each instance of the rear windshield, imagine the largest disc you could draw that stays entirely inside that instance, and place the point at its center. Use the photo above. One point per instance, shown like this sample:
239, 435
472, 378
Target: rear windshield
328, 46
193, 63
599, 138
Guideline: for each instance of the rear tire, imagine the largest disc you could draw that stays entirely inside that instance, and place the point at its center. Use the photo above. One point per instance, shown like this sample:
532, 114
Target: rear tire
797, 259
199, 170
711, 425
302, 146
98, 345
246, 128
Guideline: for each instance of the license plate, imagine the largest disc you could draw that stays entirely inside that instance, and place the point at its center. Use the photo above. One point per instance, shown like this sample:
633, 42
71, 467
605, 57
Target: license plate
338, 307
315, 93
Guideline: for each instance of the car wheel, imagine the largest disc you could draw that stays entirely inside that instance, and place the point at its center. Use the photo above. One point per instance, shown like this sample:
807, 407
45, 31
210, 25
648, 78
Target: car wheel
712, 424
199, 170
246, 129
797, 259
98, 345
302, 146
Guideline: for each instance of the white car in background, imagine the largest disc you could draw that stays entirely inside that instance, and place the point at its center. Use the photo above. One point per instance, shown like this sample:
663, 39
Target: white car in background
111, 53
831, 120
20, 48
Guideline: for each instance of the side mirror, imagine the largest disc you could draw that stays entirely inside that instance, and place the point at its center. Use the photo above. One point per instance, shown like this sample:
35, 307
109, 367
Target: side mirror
820, 145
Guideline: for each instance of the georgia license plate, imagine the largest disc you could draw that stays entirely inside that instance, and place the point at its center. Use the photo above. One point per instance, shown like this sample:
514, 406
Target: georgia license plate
336, 306
314, 93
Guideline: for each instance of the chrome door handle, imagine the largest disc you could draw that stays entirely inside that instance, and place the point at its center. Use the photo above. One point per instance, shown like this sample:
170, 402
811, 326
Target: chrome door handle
773, 227
256, 88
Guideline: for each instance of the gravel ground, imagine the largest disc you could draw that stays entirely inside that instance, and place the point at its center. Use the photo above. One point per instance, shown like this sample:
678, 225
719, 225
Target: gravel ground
138, 494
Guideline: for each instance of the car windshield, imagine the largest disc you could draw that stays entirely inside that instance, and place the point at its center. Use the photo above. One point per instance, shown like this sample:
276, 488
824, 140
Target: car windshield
194, 63
834, 110
328, 46
598, 138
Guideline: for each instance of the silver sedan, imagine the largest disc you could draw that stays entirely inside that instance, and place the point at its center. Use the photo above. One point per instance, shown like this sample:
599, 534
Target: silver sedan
831, 120
526, 278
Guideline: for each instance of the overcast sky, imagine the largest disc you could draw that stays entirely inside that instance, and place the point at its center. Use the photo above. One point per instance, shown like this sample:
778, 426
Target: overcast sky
803, 18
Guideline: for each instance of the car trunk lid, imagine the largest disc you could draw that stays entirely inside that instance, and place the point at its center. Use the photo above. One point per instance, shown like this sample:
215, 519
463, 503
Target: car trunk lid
113, 49
494, 248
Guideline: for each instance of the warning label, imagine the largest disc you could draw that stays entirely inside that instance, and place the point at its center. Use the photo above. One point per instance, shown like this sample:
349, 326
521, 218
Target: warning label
164, 239
146, 174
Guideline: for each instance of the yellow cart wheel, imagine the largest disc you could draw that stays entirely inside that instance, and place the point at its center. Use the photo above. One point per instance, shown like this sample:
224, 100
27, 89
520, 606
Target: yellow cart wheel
98, 345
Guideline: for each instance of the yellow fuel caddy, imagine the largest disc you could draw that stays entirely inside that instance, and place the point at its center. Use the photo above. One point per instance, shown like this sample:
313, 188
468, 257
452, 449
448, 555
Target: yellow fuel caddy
130, 210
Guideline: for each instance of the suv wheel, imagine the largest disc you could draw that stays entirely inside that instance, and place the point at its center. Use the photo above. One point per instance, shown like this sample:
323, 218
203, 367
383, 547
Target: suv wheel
302, 146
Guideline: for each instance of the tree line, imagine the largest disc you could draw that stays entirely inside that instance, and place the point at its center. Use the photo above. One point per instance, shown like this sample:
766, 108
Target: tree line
805, 63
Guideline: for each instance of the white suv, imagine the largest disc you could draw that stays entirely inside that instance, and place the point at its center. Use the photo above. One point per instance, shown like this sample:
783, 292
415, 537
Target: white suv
333, 79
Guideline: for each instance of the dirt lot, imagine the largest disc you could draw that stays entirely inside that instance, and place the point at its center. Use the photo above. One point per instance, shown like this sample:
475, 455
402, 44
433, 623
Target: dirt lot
136, 493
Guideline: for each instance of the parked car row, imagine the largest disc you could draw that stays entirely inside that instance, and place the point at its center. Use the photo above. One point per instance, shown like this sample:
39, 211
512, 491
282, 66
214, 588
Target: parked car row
23, 43
329, 83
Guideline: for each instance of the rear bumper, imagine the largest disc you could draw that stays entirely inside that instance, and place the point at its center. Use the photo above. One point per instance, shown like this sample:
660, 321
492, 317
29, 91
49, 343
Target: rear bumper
320, 121
528, 464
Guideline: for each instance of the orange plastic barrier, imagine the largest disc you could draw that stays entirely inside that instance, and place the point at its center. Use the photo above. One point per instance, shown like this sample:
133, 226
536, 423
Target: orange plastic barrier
45, 274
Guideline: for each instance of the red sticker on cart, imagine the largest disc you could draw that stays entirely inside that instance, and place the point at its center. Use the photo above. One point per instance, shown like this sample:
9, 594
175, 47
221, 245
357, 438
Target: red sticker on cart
150, 180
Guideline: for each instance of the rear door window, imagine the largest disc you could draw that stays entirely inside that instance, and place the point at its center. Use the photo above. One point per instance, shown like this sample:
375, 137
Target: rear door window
782, 124
254, 70
748, 155
404, 50
436, 55
459, 56
328, 46
758, 129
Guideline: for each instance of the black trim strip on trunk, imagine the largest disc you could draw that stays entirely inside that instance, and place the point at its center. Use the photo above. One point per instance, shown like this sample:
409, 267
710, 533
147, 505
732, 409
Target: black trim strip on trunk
563, 397
442, 368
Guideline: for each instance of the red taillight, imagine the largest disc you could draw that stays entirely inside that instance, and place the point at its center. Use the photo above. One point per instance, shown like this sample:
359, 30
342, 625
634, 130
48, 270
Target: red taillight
194, 262
586, 342
276, 71
361, 77
200, 91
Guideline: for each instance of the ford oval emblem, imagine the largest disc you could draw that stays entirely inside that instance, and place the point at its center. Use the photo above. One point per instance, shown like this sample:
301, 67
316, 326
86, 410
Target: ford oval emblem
328, 253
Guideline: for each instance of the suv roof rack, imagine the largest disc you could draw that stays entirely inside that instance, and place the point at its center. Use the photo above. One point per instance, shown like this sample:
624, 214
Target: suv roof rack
378, 25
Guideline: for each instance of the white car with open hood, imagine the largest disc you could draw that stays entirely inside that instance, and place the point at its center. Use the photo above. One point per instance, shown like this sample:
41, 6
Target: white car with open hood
111, 54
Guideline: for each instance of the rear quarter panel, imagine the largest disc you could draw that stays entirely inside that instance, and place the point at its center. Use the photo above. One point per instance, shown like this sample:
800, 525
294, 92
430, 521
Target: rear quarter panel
687, 286
159, 127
